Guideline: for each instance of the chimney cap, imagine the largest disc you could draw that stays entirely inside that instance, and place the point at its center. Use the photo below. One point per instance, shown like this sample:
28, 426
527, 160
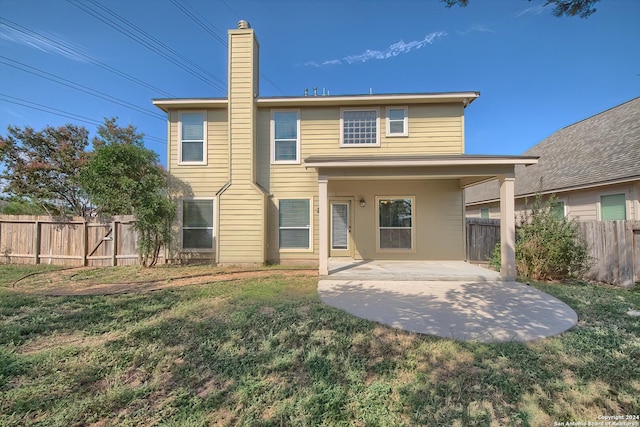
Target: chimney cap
243, 25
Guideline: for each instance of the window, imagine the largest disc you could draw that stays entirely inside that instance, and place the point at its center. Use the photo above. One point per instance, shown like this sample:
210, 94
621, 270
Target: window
557, 209
484, 212
285, 142
395, 223
613, 207
397, 121
193, 144
197, 224
294, 223
359, 127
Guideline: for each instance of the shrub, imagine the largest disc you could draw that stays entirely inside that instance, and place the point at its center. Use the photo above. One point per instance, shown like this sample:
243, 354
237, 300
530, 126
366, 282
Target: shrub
548, 245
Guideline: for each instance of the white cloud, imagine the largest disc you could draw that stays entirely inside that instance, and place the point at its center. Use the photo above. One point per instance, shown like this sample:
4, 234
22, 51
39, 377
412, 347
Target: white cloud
535, 10
45, 44
394, 50
477, 28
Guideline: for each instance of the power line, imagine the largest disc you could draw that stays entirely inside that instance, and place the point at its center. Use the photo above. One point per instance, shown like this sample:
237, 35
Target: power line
63, 113
150, 42
231, 10
202, 23
206, 26
66, 48
57, 79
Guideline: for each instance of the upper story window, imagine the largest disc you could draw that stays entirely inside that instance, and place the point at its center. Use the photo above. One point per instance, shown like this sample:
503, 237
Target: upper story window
397, 121
285, 139
359, 128
193, 140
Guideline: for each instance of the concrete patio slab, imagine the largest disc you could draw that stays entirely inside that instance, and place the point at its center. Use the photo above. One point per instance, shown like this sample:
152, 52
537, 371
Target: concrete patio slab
485, 311
348, 269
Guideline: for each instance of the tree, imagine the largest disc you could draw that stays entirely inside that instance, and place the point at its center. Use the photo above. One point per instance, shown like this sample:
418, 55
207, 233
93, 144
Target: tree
44, 166
581, 8
123, 177
14, 205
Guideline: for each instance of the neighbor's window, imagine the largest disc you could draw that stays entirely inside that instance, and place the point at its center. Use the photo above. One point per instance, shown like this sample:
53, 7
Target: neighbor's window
613, 207
359, 127
397, 121
193, 143
395, 223
294, 223
285, 141
197, 224
557, 209
484, 212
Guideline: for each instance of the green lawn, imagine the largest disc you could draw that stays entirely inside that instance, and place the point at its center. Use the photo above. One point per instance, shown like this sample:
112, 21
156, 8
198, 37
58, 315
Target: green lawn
266, 351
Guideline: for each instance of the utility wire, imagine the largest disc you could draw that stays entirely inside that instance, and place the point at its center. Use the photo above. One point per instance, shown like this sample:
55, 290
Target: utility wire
211, 30
63, 113
150, 42
57, 79
69, 50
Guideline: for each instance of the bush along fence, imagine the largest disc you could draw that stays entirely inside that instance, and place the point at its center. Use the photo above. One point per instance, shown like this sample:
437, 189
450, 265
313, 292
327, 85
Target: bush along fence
69, 241
613, 246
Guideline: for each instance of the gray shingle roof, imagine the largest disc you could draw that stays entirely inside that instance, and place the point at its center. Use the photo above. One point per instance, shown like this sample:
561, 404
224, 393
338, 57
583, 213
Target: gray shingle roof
600, 149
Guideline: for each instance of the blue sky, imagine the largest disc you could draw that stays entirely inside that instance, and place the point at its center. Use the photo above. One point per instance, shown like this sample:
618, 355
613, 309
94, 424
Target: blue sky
536, 73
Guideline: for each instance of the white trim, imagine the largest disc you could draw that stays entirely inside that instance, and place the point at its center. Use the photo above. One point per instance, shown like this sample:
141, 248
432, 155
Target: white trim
413, 225
204, 138
376, 144
310, 227
213, 225
405, 125
273, 140
433, 161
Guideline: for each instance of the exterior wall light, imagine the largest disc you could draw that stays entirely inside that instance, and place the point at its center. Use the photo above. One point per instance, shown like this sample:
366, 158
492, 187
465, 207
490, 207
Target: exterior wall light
362, 203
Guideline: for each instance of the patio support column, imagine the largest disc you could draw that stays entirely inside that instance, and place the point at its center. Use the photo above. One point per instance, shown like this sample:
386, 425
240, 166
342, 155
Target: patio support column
507, 227
323, 217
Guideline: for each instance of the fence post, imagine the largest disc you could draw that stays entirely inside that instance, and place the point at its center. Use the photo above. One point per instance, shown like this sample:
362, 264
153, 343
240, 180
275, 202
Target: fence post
114, 249
36, 243
85, 242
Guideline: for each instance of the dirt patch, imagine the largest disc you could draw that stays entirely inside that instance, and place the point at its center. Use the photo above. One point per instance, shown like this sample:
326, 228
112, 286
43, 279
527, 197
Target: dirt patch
61, 283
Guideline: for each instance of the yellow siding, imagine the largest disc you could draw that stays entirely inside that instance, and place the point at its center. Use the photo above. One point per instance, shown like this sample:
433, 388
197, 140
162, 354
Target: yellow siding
202, 181
241, 231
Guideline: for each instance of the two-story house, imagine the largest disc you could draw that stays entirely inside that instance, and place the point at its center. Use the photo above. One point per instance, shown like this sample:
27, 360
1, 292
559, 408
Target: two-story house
302, 179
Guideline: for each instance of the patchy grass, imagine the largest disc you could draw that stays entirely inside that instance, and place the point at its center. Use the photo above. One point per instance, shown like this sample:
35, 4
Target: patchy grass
266, 351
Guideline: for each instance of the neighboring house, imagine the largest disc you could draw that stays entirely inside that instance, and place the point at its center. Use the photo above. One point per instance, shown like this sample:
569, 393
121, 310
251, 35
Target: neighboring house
302, 179
592, 166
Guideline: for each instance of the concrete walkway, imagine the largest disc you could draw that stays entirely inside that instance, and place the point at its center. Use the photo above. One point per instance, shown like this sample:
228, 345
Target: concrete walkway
473, 309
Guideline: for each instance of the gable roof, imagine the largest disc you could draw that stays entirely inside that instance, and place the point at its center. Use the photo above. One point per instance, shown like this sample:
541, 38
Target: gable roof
601, 149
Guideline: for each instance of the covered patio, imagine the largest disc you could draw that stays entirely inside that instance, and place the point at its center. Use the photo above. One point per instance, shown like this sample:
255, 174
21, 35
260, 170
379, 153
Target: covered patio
370, 172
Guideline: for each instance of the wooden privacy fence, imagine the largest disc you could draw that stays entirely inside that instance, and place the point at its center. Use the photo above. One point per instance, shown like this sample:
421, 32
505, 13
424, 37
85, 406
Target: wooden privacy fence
482, 236
614, 247
27, 239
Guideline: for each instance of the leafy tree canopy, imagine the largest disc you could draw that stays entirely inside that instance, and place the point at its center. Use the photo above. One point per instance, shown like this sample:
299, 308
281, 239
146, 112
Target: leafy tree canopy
44, 166
581, 8
123, 177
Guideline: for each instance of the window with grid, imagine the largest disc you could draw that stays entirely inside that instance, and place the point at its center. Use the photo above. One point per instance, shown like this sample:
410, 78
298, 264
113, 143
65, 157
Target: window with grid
360, 127
294, 223
192, 138
395, 223
397, 121
613, 207
197, 224
285, 143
